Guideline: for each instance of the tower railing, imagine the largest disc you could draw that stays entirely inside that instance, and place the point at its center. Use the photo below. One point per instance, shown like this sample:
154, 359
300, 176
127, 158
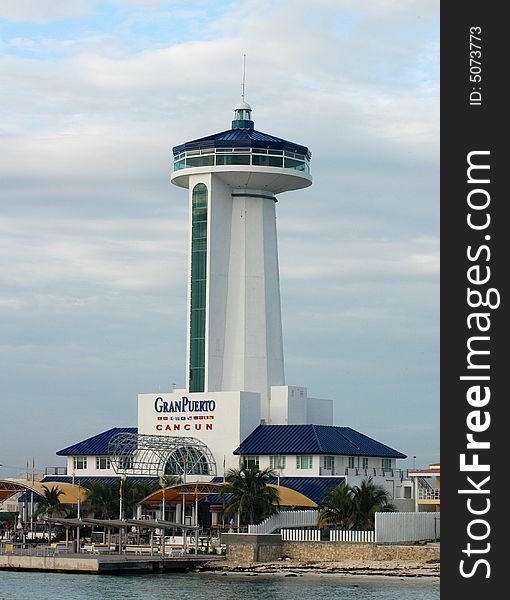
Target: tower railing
257, 157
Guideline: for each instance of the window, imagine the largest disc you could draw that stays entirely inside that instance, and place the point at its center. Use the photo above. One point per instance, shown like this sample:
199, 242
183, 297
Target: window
102, 462
365, 462
251, 461
350, 462
125, 462
80, 462
304, 462
240, 159
386, 464
186, 460
291, 163
277, 462
328, 462
199, 202
200, 161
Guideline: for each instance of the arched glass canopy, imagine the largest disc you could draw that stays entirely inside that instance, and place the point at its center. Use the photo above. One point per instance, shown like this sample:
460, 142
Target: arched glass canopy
156, 455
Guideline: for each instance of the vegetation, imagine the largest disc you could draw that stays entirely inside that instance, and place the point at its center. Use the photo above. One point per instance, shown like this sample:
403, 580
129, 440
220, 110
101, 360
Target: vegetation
370, 498
354, 507
169, 480
249, 495
50, 504
133, 492
337, 507
103, 499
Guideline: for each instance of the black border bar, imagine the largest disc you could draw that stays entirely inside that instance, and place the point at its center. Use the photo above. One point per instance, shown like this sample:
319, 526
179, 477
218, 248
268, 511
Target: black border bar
474, 281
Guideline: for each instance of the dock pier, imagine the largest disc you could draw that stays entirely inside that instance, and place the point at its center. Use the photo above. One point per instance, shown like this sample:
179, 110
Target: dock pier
105, 563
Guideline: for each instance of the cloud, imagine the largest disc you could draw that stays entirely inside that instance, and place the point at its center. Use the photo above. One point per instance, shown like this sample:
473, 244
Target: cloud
94, 236
44, 11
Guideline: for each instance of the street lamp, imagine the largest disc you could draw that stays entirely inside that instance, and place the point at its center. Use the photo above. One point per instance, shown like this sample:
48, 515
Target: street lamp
414, 462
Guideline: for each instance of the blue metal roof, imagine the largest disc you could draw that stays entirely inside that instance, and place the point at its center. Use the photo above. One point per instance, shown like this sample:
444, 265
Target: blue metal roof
96, 445
85, 480
313, 439
314, 488
248, 138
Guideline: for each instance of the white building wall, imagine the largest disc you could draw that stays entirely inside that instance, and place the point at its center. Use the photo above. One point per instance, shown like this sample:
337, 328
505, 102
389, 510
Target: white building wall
90, 471
391, 482
234, 416
288, 405
253, 346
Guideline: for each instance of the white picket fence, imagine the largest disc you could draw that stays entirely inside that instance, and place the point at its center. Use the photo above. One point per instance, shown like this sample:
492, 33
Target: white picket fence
301, 535
290, 519
393, 528
340, 535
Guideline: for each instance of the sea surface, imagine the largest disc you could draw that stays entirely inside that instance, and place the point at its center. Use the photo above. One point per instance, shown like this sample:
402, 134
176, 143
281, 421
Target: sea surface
45, 586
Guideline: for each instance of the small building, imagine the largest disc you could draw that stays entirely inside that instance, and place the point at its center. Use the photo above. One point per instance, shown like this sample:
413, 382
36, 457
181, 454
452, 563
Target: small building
307, 458
90, 457
427, 488
323, 451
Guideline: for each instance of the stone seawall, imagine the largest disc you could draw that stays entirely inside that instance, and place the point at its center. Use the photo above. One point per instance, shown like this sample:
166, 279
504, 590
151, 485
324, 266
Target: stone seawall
247, 548
251, 548
344, 551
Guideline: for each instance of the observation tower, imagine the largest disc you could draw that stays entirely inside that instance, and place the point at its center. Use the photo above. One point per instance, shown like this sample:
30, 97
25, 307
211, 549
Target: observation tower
234, 330
234, 350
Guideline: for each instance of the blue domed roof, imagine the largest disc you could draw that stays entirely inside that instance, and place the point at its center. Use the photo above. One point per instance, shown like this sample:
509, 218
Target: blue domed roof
245, 138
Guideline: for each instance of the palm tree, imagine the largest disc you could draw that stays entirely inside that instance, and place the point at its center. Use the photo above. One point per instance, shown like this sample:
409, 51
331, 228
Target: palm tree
337, 507
250, 495
133, 491
169, 480
50, 502
368, 499
103, 499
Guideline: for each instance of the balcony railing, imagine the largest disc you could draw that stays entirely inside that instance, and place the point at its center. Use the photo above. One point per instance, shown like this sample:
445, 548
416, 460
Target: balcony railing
260, 157
55, 471
429, 494
359, 472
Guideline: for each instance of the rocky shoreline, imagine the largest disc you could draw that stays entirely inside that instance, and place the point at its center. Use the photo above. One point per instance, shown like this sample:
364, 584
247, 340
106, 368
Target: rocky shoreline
292, 568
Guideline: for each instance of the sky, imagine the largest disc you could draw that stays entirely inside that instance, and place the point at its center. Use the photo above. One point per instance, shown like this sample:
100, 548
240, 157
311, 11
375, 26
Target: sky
93, 237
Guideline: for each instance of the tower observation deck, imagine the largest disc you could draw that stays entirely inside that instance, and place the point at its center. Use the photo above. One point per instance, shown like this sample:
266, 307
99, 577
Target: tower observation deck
234, 329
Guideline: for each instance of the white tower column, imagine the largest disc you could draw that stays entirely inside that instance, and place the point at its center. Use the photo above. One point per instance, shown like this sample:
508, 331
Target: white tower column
253, 347
234, 333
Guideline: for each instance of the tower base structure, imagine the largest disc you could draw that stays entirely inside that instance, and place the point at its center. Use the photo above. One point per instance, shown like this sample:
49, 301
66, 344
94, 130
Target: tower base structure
222, 420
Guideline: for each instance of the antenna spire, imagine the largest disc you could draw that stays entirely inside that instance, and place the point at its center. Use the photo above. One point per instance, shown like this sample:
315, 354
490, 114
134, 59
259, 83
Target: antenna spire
243, 84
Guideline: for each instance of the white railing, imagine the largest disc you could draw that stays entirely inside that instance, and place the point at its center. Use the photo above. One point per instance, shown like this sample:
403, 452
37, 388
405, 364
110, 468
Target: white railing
301, 535
392, 528
368, 472
340, 535
429, 494
286, 520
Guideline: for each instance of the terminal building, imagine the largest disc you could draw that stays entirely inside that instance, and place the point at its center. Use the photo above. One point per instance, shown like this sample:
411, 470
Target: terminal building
236, 405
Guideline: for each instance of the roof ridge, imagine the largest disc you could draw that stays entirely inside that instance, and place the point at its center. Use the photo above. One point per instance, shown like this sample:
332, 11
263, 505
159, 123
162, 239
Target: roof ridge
338, 428
373, 440
316, 436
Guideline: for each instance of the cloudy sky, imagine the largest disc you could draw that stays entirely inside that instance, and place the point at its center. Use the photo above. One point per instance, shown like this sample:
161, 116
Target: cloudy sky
93, 237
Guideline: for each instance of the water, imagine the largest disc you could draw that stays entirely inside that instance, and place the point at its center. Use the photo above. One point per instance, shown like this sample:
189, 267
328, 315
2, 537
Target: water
53, 586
